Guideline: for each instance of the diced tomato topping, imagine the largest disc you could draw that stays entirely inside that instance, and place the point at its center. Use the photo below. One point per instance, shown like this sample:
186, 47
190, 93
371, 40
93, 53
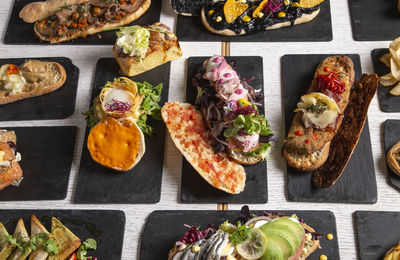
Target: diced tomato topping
330, 82
315, 136
299, 133
12, 69
73, 257
308, 141
326, 69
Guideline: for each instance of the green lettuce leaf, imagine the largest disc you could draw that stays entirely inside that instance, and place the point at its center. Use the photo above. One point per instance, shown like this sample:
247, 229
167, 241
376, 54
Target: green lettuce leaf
261, 150
250, 124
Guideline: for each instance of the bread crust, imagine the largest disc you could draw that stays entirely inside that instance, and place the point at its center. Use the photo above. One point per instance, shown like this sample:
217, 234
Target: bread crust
306, 162
227, 32
393, 158
61, 74
90, 30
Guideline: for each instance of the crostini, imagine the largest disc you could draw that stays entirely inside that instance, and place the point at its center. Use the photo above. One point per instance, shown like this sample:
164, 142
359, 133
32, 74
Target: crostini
393, 158
142, 48
31, 79
59, 21
10, 170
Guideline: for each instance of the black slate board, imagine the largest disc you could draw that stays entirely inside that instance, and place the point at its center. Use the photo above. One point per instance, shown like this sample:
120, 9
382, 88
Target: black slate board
391, 137
319, 30
376, 233
387, 102
194, 189
46, 163
169, 227
142, 184
357, 183
107, 227
58, 104
374, 20
19, 32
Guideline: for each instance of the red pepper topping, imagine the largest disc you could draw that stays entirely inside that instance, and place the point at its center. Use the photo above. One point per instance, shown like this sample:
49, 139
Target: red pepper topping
299, 133
315, 136
326, 69
335, 68
308, 141
330, 82
12, 69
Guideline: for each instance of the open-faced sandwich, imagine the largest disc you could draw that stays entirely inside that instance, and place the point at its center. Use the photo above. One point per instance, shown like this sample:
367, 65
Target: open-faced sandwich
238, 17
31, 79
392, 61
270, 236
10, 171
329, 120
118, 119
393, 253
230, 108
59, 21
142, 48
59, 244
393, 158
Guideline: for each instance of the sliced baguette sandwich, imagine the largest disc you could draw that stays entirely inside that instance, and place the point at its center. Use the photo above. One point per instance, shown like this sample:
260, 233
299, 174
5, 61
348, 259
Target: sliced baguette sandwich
232, 17
192, 138
319, 114
163, 46
10, 170
31, 79
59, 21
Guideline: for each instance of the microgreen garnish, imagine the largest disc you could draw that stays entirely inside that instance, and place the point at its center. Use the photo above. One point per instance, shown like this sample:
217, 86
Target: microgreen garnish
241, 234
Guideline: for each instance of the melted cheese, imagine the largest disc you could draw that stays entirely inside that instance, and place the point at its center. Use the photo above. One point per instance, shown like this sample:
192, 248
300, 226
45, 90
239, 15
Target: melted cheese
13, 83
191, 136
114, 145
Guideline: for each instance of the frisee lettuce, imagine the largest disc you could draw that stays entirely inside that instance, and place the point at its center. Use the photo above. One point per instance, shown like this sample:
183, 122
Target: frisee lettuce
89, 244
250, 124
262, 150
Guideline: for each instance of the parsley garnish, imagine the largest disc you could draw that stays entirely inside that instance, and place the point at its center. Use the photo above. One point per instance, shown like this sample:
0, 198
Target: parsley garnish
89, 244
90, 117
65, 6
318, 108
241, 234
40, 240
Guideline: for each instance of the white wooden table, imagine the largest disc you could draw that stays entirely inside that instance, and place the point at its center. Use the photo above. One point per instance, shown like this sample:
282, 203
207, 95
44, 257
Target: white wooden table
85, 57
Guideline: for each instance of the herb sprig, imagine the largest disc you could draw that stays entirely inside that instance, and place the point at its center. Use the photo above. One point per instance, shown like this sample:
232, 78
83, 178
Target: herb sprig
42, 240
241, 234
89, 244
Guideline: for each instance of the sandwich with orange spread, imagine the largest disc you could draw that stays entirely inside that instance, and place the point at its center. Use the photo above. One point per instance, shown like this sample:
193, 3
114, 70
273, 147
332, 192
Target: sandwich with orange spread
10, 171
118, 121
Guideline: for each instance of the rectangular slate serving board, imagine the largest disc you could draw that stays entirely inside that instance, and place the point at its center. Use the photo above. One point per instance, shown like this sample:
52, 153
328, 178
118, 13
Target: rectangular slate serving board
142, 184
194, 189
387, 102
190, 28
107, 227
46, 163
357, 183
391, 137
19, 32
169, 227
58, 104
376, 233
374, 20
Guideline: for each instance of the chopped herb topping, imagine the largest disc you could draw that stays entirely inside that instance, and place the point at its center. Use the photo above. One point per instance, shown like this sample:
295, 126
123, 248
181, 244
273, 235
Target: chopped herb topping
319, 108
41, 240
241, 234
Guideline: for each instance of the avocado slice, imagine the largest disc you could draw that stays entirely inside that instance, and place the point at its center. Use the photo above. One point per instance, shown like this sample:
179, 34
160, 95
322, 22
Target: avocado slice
5, 247
288, 232
292, 225
279, 234
273, 252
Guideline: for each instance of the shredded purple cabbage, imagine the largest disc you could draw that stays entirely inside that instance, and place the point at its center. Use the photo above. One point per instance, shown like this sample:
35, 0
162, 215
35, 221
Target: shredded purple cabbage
118, 106
194, 234
273, 6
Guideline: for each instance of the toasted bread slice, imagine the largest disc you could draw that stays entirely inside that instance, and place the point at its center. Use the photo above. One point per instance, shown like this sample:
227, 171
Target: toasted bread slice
309, 247
66, 241
6, 136
167, 49
116, 144
304, 18
306, 162
5, 248
36, 229
339, 64
393, 158
41, 77
22, 237
240, 157
192, 138
36, 11
11, 171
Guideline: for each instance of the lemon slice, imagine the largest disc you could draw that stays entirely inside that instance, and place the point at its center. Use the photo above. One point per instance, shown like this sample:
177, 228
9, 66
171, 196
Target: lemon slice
255, 247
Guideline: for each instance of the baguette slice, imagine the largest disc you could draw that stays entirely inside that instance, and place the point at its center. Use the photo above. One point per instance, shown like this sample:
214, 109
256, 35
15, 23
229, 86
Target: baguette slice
192, 138
36, 229
66, 241
22, 237
116, 144
166, 50
41, 77
5, 248
41, 10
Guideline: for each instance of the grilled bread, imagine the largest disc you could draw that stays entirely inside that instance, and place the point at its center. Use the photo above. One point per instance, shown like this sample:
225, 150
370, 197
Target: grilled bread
66, 241
5, 247
164, 47
393, 158
36, 229
10, 170
31, 79
59, 21
22, 237
192, 138
307, 148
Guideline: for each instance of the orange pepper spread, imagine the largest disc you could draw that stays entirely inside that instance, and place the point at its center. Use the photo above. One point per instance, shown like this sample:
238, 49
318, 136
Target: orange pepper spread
114, 145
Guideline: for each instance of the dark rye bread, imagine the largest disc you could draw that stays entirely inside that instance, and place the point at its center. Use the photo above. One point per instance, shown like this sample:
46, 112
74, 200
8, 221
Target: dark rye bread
298, 144
188, 7
345, 141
